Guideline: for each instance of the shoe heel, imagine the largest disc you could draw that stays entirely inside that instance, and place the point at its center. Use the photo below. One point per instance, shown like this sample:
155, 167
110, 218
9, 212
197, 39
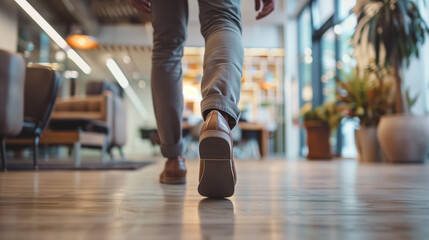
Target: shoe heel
215, 145
217, 180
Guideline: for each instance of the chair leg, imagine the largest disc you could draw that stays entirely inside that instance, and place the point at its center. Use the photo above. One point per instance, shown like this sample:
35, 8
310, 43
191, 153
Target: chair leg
112, 157
104, 150
3, 153
121, 153
76, 152
35, 151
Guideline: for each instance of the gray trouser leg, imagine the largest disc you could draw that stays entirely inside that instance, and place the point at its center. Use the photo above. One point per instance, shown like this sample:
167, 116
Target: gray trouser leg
223, 59
169, 20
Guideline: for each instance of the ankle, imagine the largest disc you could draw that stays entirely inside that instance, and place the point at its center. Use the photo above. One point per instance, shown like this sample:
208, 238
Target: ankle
225, 115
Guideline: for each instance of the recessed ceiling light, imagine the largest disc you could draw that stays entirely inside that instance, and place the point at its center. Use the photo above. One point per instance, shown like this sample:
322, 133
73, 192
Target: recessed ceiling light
126, 59
60, 56
142, 84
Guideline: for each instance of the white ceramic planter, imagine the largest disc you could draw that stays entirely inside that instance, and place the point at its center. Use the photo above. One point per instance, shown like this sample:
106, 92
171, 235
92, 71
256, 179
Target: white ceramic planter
404, 138
367, 145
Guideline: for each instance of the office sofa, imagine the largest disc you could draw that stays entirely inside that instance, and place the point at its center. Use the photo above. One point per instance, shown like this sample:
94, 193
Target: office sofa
102, 106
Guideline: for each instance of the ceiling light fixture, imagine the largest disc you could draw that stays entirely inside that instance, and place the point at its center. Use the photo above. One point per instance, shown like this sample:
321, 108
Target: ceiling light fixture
54, 35
123, 82
117, 73
81, 41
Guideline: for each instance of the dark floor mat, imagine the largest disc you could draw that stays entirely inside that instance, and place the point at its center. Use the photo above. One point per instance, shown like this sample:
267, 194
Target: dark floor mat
47, 166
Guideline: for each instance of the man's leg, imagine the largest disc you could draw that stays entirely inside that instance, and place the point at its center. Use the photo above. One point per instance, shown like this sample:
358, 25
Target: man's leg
220, 87
223, 59
169, 20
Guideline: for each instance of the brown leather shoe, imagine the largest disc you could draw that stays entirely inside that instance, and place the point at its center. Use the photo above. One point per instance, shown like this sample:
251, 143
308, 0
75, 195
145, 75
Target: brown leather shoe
217, 170
174, 171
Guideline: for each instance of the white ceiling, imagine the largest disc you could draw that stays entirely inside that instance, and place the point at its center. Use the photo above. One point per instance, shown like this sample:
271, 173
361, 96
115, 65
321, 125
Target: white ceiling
247, 12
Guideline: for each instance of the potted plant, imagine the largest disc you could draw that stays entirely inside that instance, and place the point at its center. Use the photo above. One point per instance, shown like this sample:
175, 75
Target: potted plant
318, 123
366, 96
395, 29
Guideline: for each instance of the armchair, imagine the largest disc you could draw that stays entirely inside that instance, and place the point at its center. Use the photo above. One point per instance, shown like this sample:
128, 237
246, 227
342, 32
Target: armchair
40, 94
12, 75
119, 116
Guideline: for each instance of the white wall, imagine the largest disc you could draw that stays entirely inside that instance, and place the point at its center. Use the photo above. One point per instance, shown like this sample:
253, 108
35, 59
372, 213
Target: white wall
425, 52
259, 36
134, 35
416, 80
416, 77
267, 36
8, 25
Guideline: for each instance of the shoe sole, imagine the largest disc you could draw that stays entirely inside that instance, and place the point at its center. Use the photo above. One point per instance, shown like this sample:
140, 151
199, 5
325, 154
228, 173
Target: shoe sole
167, 180
217, 179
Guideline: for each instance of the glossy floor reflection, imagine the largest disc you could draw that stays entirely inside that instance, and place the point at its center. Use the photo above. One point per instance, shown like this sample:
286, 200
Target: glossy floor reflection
275, 199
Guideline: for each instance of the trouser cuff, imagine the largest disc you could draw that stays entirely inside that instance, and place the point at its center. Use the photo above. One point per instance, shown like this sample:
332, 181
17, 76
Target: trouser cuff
172, 151
221, 103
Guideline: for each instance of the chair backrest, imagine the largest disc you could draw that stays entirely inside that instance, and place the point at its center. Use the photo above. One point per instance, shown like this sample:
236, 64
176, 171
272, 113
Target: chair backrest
41, 89
88, 107
98, 87
12, 75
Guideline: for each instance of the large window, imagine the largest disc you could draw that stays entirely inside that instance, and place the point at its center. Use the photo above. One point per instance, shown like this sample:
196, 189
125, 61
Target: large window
321, 10
345, 32
332, 27
305, 61
305, 55
344, 7
328, 66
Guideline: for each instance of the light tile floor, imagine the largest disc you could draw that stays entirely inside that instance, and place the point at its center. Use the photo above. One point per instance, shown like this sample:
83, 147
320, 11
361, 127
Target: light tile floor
275, 199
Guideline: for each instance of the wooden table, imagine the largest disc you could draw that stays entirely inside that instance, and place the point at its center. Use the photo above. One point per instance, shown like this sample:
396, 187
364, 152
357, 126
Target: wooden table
75, 138
264, 136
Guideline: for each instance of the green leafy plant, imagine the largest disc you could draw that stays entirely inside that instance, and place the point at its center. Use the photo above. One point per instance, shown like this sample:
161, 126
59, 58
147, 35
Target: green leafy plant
394, 28
411, 100
329, 113
367, 95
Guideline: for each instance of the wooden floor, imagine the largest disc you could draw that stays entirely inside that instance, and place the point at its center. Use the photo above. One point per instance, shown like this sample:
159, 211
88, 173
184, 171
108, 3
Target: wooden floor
274, 200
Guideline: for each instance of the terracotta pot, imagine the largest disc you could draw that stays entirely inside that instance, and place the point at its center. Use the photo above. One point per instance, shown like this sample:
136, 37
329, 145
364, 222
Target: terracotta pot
367, 145
404, 138
318, 134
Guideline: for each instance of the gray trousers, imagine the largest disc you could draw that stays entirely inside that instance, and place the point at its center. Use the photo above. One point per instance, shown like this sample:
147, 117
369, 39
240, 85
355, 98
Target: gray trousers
223, 61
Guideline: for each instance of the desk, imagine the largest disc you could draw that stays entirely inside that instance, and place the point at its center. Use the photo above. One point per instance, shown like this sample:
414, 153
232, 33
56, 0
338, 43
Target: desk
263, 139
264, 136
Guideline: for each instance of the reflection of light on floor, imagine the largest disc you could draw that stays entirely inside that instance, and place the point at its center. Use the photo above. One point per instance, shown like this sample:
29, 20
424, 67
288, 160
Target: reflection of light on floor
349, 147
349, 202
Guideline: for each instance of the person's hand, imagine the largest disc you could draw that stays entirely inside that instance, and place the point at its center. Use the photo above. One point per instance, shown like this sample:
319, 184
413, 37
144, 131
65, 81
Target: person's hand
142, 5
267, 8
